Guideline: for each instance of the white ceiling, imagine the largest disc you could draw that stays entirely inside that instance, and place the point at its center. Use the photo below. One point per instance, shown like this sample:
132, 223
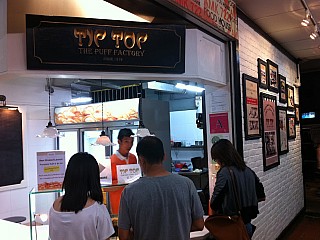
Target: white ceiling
281, 20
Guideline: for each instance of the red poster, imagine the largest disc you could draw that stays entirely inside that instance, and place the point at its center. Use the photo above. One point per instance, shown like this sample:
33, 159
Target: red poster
221, 14
219, 123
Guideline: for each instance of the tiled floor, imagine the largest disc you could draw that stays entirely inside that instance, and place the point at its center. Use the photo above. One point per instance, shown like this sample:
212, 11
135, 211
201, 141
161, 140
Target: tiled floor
307, 227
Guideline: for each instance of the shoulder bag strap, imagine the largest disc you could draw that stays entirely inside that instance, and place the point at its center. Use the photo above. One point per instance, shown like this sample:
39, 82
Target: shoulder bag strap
235, 189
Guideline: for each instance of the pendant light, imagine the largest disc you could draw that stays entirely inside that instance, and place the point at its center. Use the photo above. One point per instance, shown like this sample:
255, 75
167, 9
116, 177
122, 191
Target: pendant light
103, 140
142, 131
50, 130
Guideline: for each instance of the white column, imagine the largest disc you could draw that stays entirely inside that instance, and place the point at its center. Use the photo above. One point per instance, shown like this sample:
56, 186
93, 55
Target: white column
3, 36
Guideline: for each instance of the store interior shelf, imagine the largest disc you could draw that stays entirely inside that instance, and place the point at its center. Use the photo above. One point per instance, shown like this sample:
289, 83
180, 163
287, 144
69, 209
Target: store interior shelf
187, 148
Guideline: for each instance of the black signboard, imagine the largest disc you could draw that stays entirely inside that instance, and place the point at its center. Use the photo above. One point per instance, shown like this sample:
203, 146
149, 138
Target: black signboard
11, 156
64, 43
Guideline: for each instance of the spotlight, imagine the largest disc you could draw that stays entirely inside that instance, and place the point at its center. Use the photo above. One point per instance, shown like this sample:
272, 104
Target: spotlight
305, 22
313, 36
315, 33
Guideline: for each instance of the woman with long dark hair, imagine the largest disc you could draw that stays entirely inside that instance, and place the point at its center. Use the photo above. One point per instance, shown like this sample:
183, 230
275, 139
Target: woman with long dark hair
79, 214
250, 190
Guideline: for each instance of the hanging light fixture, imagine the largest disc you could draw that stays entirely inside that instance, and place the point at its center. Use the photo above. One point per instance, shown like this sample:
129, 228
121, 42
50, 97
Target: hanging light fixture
305, 22
103, 140
50, 130
142, 131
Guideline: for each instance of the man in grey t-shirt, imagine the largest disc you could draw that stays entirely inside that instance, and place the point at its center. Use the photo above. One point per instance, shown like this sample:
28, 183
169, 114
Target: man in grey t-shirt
159, 205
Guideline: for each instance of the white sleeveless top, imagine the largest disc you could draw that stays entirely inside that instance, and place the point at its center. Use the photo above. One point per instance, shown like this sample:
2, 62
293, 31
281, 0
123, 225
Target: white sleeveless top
92, 223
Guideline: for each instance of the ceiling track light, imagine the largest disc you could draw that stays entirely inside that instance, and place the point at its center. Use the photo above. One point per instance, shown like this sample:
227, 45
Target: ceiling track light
315, 33
305, 22
309, 18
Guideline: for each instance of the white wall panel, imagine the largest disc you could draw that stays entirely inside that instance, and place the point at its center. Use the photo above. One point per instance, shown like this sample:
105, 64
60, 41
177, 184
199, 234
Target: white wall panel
284, 183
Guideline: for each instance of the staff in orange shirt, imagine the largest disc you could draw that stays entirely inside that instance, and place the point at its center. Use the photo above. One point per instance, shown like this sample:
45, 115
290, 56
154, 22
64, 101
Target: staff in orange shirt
121, 157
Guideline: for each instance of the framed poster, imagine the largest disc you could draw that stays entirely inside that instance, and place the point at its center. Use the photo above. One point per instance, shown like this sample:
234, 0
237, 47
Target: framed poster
290, 97
272, 76
251, 107
282, 89
269, 131
282, 130
262, 73
297, 112
291, 126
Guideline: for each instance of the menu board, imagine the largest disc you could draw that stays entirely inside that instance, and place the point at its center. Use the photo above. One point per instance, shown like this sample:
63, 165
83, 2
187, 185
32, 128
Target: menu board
112, 111
11, 154
50, 169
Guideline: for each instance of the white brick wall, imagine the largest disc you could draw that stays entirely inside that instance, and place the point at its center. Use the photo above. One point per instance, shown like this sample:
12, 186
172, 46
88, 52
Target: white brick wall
284, 183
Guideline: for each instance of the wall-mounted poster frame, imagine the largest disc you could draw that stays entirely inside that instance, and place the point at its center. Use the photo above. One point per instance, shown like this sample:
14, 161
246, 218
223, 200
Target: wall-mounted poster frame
272, 76
251, 107
282, 89
282, 130
269, 131
290, 97
262, 73
297, 113
291, 126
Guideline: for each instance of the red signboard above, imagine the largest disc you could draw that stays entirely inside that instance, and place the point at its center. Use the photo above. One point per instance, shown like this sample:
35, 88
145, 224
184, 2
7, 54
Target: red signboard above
221, 14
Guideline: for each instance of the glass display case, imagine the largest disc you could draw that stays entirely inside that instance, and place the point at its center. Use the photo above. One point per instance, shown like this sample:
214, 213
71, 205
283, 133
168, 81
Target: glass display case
39, 206
40, 203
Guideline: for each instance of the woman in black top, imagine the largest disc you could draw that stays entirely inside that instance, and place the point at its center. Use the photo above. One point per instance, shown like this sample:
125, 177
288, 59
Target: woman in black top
250, 190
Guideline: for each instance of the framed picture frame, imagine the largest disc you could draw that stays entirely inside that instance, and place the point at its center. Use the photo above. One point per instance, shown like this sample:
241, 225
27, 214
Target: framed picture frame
282, 130
290, 97
272, 76
269, 131
291, 126
282, 89
262, 73
252, 126
297, 113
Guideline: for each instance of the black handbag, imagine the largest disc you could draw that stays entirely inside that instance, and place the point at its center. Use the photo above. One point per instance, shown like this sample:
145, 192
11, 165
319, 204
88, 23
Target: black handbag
223, 227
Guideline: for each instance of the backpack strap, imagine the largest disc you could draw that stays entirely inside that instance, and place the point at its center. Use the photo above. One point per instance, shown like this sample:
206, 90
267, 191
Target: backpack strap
235, 189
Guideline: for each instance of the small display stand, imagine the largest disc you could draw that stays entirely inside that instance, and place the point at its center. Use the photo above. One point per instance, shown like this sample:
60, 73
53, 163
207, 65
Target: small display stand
40, 203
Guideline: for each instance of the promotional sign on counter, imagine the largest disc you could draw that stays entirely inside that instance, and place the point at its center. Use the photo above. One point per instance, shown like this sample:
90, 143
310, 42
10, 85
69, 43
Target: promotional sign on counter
128, 173
50, 169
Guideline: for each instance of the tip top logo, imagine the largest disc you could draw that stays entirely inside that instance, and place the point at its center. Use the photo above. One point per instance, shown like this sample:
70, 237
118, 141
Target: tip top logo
129, 39
123, 43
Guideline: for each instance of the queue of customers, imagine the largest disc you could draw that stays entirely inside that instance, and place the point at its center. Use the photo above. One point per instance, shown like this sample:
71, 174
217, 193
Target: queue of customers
159, 205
